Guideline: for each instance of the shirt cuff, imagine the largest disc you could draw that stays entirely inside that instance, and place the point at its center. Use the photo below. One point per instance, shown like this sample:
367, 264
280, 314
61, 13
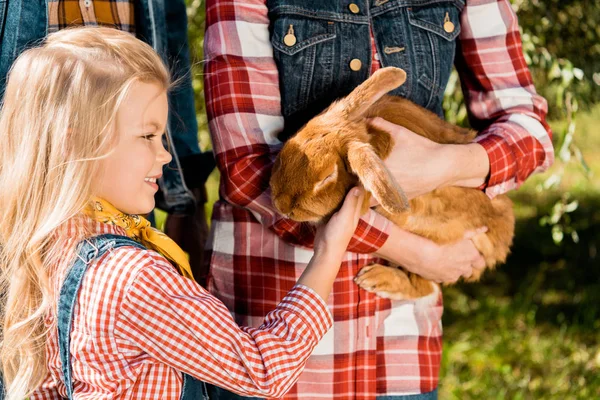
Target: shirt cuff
501, 158
310, 307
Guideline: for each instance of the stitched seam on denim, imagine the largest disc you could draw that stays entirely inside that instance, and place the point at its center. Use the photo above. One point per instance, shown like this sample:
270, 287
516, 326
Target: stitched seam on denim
435, 66
3, 17
290, 51
307, 77
328, 61
47, 15
392, 5
430, 27
323, 15
153, 24
429, 84
19, 13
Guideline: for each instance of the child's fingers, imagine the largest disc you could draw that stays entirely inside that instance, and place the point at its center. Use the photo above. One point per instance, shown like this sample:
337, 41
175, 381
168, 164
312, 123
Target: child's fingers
347, 213
350, 210
358, 209
346, 218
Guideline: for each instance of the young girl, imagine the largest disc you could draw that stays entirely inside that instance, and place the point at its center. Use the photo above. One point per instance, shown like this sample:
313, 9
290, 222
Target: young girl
87, 311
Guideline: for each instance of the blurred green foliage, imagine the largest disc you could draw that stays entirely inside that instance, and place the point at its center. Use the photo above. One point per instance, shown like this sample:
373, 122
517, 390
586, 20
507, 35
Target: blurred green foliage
529, 330
570, 31
196, 16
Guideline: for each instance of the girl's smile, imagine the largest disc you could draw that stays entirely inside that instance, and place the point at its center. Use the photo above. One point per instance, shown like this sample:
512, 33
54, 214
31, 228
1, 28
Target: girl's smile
152, 181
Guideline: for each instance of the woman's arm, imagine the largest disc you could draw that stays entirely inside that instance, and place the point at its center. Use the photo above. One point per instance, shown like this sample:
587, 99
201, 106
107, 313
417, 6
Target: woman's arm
421, 165
514, 140
500, 97
439, 263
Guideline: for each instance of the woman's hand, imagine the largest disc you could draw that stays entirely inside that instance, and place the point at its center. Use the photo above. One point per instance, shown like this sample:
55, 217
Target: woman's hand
331, 242
415, 161
439, 263
421, 165
450, 262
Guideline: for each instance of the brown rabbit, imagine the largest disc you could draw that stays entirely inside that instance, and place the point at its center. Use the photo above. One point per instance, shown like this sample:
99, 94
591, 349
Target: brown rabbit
317, 167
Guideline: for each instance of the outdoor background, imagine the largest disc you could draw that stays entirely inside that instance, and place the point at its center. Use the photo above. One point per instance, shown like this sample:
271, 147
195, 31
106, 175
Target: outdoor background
531, 329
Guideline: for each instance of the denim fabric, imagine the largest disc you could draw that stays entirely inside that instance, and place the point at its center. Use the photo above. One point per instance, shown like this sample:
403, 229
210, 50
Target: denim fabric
160, 23
2, 17
217, 393
315, 71
433, 395
89, 250
23, 23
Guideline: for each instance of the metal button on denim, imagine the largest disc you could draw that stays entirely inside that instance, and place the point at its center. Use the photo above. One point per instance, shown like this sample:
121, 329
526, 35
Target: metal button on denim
355, 64
448, 25
290, 38
354, 8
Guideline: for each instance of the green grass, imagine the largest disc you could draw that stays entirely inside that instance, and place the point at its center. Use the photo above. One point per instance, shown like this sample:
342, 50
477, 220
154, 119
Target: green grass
530, 330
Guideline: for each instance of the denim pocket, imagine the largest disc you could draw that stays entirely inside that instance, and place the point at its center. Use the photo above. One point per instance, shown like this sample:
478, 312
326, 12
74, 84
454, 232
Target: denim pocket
434, 29
305, 63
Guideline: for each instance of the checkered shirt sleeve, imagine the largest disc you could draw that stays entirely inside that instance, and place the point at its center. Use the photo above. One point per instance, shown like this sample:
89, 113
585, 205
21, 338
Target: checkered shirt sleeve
501, 99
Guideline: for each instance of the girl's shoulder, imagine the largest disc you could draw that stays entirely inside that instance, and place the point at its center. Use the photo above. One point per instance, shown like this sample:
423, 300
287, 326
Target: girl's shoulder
125, 260
133, 259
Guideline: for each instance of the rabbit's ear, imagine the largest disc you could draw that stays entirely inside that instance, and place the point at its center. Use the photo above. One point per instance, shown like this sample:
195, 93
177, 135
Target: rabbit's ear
355, 105
376, 178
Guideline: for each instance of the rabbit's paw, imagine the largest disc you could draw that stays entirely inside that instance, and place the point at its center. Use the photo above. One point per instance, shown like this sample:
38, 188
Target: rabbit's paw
386, 282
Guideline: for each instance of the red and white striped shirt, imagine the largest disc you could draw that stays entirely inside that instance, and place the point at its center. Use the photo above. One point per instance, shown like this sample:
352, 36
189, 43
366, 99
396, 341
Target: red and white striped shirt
377, 346
138, 325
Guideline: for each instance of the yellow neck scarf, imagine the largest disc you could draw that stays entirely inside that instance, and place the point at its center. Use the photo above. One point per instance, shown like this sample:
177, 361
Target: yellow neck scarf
138, 228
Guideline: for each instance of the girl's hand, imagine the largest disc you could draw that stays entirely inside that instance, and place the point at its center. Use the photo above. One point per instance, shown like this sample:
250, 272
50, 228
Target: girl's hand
448, 263
331, 242
332, 238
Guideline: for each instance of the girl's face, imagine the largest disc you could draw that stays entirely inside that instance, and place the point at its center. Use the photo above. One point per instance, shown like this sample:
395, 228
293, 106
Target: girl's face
128, 176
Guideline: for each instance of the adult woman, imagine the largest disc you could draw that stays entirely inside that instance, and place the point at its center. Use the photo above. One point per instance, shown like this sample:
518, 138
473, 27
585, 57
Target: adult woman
270, 67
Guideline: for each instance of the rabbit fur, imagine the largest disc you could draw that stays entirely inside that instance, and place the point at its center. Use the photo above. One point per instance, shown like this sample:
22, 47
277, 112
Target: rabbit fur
337, 150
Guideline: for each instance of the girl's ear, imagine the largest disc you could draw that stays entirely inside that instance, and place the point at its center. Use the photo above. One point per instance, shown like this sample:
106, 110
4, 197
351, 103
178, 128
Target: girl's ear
376, 178
355, 105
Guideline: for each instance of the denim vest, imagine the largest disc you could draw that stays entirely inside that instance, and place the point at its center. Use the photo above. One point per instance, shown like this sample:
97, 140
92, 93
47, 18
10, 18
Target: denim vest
418, 36
160, 23
88, 250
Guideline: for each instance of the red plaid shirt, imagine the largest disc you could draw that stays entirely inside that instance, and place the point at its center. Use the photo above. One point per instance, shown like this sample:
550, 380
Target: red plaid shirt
117, 14
377, 346
138, 324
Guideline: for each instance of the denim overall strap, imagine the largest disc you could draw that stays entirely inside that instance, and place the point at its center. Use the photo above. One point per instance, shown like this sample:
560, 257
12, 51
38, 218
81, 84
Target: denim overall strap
88, 250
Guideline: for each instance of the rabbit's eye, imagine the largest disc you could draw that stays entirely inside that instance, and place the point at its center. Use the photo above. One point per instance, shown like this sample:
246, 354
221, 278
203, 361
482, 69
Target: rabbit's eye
332, 177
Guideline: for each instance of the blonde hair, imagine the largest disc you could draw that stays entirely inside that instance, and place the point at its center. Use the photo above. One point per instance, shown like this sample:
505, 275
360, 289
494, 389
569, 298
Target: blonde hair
56, 122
